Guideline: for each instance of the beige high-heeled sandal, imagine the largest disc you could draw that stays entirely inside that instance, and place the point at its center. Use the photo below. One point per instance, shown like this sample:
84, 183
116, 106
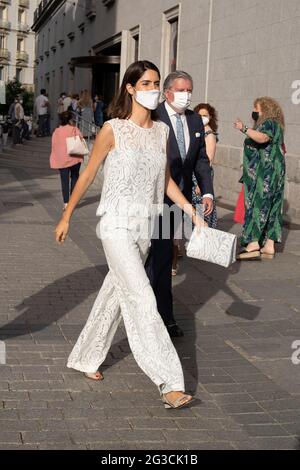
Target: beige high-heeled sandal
179, 403
94, 375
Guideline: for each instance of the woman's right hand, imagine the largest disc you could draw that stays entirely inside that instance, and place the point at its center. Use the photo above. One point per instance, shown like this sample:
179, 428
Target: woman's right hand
238, 124
61, 230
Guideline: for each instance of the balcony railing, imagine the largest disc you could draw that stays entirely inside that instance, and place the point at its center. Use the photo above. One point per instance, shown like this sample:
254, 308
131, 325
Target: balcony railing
24, 3
4, 54
42, 12
22, 56
24, 27
4, 24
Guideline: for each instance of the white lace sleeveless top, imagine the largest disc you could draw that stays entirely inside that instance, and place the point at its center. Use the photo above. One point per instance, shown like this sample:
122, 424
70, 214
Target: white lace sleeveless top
134, 171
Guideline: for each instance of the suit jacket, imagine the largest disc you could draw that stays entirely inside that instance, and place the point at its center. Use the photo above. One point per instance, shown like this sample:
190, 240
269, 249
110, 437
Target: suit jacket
196, 158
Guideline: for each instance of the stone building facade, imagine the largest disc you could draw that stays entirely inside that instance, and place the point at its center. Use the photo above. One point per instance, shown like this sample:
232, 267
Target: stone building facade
236, 50
17, 41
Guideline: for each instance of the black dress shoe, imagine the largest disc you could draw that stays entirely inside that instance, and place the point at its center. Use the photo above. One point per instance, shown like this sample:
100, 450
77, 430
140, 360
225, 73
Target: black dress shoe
174, 331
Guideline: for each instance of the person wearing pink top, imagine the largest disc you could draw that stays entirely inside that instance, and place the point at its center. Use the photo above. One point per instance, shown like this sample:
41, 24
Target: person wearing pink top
68, 166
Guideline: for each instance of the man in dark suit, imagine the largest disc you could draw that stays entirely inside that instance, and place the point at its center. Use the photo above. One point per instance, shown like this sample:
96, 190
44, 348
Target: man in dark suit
186, 154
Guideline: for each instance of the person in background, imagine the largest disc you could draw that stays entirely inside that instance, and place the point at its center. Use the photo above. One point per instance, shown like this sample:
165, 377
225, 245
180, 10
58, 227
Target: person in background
24, 134
60, 103
210, 122
41, 106
48, 119
85, 105
68, 166
5, 128
74, 104
263, 179
28, 121
17, 132
98, 110
67, 102
11, 111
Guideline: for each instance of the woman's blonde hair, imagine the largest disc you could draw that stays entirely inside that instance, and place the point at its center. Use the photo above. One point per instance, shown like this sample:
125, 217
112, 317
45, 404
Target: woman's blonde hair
85, 99
271, 109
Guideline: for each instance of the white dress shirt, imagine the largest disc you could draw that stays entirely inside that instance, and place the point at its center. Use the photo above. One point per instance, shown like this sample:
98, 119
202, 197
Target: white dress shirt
41, 105
172, 115
66, 103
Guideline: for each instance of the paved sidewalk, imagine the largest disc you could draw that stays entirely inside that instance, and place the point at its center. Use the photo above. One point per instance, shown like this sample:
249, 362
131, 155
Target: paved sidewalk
239, 326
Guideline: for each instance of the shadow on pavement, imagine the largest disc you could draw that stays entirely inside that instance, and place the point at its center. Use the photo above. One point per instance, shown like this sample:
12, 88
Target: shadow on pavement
53, 302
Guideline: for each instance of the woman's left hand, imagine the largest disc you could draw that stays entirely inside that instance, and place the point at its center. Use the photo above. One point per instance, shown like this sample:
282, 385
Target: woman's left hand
238, 124
199, 222
197, 190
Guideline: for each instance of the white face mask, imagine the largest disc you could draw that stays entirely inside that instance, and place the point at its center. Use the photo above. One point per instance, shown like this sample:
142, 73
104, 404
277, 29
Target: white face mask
205, 120
148, 98
182, 100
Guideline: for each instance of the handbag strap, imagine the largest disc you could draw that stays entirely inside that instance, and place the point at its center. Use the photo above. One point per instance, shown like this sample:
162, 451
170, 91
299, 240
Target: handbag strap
74, 133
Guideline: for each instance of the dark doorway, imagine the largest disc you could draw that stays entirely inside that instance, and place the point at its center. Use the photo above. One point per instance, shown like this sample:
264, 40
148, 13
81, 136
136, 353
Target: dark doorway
106, 76
106, 81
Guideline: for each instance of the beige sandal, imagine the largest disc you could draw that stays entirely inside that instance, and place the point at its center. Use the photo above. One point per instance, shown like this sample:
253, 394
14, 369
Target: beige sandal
94, 375
179, 403
267, 255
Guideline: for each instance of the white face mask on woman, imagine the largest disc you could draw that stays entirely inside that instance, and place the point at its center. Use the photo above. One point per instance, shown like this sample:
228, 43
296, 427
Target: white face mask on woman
205, 120
182, 100
148, 98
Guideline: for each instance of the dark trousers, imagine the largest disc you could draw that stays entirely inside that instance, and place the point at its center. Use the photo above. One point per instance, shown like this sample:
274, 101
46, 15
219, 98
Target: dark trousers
42, 125
48, 125
67, 175
159, 271
25, 134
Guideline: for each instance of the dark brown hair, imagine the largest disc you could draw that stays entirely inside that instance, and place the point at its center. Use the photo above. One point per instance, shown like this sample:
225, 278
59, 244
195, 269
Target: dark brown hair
121, 107
212, 112
66, 117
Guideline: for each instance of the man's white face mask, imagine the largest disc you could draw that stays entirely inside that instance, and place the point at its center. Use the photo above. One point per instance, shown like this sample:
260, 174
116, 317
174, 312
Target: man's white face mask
182, 100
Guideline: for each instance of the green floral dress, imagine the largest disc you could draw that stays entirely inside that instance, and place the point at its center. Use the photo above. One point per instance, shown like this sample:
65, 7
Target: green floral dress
263, 177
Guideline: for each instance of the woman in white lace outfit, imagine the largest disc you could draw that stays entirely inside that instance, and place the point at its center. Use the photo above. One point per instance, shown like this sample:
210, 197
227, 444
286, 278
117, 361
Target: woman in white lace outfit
133, 145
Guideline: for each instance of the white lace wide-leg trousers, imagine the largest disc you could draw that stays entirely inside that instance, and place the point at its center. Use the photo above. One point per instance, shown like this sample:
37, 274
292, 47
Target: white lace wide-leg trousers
126, 293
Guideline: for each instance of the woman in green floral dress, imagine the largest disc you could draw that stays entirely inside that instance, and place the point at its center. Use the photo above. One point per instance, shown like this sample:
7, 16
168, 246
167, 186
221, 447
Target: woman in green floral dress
263, 178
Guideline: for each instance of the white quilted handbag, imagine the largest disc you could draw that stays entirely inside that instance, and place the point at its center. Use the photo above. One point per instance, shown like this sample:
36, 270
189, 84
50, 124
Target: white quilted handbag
76, 146
214, 246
